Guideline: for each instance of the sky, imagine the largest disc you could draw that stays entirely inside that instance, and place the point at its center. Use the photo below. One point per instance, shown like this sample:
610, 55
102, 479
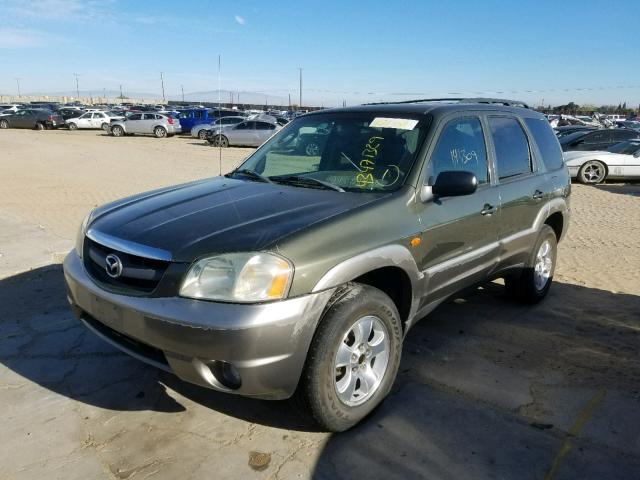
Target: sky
586, 51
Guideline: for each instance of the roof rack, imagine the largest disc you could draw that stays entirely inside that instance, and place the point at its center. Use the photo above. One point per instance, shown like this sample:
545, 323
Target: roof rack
500, 101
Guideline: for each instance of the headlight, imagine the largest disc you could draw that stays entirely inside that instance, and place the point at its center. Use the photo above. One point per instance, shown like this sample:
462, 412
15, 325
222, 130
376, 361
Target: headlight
82, 232
238, 277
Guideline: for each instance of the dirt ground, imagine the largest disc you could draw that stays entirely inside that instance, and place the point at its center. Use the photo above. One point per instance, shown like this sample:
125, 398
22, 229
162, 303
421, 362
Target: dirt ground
487, 388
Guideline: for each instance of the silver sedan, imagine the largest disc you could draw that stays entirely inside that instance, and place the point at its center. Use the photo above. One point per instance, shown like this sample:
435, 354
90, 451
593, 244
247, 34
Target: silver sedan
200, 131
250, 133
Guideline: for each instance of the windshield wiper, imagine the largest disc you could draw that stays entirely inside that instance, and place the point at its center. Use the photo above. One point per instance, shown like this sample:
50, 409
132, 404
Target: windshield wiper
301, 180
250, 173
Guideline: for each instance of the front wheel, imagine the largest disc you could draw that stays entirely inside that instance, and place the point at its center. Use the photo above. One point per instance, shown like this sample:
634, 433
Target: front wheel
353, 358
160, 132
220, 141
592, 172
4, 124
117, 131
534, 281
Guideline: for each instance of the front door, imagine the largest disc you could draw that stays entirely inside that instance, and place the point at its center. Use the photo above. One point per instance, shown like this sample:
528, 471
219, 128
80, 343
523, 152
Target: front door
459, 241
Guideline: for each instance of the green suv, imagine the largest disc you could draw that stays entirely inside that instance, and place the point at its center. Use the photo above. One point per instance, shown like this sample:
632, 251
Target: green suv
300, 273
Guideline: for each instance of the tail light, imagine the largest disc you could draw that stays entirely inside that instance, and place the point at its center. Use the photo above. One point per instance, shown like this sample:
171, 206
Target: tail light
170, 120
51, 118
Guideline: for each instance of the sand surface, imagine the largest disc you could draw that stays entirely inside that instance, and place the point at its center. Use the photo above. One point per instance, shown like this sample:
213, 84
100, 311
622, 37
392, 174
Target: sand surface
486, 389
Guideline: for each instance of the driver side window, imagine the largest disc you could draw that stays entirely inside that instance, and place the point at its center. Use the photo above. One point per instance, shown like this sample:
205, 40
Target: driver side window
461, 147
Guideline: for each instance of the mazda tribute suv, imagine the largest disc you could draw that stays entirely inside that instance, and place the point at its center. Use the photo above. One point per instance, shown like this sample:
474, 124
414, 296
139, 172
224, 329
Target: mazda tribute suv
300, 273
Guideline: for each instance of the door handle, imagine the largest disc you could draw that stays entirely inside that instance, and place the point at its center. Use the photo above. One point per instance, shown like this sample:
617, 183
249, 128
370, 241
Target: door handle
488, 209
538, 194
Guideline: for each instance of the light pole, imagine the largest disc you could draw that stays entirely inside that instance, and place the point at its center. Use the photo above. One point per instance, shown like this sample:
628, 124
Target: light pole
77, 86
18, 83
121, 97
182, 89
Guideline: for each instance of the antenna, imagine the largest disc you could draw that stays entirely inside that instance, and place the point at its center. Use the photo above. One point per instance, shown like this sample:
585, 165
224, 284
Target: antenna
162, 82
220, 134
77, 86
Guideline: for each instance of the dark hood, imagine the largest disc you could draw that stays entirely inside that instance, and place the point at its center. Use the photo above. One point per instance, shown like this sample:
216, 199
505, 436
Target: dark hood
221, 215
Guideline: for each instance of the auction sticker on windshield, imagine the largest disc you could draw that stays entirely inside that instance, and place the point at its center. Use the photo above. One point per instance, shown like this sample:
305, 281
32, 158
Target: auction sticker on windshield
398, 123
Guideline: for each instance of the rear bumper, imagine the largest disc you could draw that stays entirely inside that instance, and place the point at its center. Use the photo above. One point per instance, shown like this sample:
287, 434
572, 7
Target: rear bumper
266, 344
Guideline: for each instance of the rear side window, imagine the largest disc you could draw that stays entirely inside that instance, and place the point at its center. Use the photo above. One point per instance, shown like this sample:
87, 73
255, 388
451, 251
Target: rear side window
620, 135
597, 137
546, 141
460, 147
511, 146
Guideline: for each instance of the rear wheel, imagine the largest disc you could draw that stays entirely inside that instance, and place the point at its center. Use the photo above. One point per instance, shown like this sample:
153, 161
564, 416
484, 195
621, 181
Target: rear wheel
202, 134
39, 126
220, 141
592, 172
353, 358
73, 126
4, 124
534, 281
117, 131
159, 132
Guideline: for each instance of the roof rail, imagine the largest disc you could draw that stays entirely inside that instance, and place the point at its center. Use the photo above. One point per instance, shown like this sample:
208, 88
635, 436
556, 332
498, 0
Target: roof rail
501, 101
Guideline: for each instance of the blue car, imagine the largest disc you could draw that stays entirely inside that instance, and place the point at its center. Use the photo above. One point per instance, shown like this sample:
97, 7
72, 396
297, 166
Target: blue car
196, 116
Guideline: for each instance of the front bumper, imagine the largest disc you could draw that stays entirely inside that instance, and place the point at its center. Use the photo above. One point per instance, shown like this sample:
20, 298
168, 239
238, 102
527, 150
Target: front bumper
267, 343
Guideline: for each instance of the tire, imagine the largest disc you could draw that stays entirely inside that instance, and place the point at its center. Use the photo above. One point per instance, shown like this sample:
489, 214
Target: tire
534, 281
117, 131
592, 172
105, 127
312, 149
202, 134
220, 141
4, 124
159, 132
73, 126
39, 126
318, 391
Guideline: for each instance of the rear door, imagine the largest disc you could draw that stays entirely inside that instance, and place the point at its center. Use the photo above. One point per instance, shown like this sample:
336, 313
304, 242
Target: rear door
459, 239
523, 188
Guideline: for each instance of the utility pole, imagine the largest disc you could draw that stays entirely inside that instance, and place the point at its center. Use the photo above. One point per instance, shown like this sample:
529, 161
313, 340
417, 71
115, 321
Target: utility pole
77, 86
182, 88
289, 100
121, 96
104, 94
300, 102
162, 83
18, 83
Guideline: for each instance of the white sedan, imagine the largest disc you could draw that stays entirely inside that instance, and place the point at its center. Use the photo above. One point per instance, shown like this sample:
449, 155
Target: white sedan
621, 160
92, 120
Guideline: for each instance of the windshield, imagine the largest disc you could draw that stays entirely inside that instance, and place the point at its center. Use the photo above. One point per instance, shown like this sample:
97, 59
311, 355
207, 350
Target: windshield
356, 152
626, 148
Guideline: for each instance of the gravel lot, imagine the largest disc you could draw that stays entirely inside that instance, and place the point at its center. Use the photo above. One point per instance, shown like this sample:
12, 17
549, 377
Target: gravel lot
487, 388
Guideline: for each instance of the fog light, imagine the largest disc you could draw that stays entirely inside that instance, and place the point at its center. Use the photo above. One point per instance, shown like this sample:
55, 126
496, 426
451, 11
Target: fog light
226, 374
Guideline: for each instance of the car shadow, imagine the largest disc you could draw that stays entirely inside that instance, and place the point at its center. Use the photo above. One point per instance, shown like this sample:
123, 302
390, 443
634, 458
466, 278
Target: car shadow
631, 188
43, 342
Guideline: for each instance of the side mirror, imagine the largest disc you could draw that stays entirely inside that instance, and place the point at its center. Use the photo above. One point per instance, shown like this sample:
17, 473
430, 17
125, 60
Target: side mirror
454, 184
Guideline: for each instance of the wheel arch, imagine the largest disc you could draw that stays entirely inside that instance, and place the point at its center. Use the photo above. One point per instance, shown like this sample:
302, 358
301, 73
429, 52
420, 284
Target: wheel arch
391, 269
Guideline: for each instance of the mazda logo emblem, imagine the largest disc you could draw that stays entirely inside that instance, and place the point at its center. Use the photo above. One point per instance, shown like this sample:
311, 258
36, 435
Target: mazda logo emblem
114, 265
